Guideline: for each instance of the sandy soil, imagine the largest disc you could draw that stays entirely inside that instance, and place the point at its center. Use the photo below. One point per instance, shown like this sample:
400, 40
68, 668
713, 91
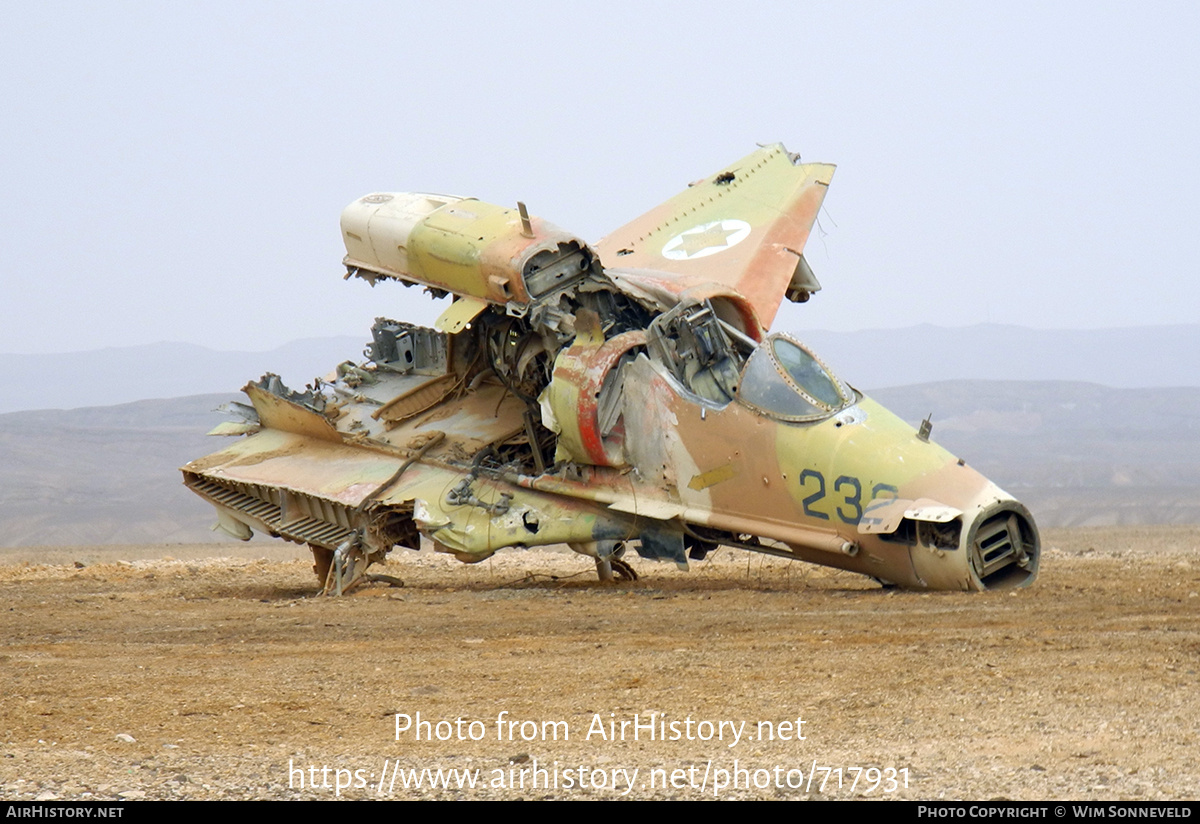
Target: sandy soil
161, 672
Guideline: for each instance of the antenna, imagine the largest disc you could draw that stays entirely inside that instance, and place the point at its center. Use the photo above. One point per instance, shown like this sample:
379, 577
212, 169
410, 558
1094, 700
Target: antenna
526, 226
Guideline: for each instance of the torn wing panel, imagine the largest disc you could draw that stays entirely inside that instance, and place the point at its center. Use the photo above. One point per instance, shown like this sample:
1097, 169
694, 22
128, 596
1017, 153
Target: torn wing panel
744, 227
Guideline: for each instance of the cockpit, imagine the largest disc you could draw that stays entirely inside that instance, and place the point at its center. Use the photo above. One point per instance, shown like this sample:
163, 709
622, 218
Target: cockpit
715, 361
784, 380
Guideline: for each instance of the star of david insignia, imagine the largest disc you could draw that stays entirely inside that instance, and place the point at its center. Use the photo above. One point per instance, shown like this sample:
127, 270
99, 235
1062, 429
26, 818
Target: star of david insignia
706, 239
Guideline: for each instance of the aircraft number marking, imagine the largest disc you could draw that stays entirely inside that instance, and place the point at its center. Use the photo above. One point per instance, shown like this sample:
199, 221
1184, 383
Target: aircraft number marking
816, 496
854, 500
848, 503
878, 499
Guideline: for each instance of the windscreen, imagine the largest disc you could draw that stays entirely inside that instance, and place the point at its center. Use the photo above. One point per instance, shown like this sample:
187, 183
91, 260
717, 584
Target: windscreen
785, 380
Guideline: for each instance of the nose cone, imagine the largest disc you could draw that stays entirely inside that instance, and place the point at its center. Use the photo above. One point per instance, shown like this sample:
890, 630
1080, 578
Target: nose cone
1002, 546
992, 544
961, 530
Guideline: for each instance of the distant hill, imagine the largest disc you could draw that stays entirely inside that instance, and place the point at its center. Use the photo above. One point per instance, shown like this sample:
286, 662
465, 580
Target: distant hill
1131, 357
1074, 453
1144, 356
105, 474
102, 377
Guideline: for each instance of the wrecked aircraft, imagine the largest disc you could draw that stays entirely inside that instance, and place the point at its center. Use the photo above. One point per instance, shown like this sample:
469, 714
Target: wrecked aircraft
622, 394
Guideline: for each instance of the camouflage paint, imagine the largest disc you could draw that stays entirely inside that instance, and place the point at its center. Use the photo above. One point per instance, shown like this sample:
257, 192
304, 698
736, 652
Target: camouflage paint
378, 455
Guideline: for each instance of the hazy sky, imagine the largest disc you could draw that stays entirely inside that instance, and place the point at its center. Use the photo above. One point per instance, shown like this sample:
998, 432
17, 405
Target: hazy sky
176, 172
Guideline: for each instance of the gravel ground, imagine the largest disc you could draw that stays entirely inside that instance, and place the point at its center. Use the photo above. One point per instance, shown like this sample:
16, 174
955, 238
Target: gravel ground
159, 672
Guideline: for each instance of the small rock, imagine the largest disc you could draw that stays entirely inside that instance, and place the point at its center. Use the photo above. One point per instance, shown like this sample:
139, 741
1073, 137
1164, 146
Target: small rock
126, 737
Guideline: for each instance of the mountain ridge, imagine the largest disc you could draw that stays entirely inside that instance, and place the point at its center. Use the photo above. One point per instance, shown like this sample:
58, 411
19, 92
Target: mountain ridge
1122, 357
1076, 453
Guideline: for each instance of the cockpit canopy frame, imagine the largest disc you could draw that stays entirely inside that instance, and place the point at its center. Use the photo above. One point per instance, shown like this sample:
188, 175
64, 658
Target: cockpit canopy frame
785, 381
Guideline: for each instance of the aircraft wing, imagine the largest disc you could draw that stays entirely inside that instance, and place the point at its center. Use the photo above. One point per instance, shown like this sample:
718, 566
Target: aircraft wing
743, 227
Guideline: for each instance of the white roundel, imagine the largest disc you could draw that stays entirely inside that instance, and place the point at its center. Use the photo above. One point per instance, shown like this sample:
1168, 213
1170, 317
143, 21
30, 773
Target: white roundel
706, 239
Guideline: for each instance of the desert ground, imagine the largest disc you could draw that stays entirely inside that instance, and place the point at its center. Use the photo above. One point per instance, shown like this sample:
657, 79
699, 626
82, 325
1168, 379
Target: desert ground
165, 672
